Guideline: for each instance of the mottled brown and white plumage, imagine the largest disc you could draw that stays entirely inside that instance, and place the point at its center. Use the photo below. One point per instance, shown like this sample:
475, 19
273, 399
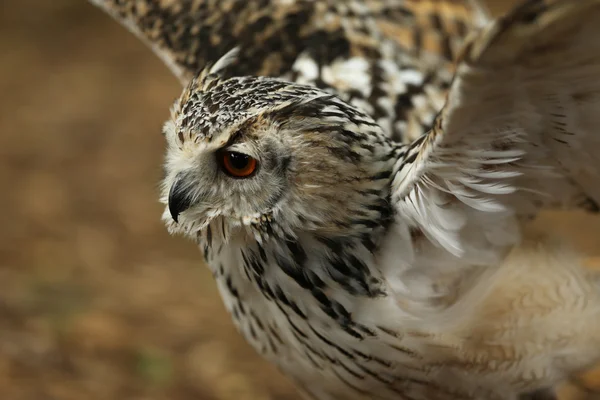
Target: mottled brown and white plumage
382, 56
378, 247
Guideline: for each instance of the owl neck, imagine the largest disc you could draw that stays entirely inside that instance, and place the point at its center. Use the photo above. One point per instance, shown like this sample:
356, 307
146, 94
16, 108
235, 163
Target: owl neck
309, 275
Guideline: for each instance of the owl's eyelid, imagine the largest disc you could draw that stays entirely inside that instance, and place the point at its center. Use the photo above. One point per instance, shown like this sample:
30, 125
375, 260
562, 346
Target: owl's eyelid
241, 148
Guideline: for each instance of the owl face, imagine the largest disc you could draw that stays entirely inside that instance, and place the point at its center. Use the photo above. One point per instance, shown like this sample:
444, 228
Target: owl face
269, 155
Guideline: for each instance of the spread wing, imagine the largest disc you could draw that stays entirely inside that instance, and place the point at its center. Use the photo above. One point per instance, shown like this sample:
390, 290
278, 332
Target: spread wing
429, 28
519, 133
390, 58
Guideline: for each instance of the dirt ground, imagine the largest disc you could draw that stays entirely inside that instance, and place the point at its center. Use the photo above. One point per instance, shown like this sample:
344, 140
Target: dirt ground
96, 300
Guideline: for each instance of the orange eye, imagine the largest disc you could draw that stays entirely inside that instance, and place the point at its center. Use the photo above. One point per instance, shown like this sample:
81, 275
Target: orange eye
238, 165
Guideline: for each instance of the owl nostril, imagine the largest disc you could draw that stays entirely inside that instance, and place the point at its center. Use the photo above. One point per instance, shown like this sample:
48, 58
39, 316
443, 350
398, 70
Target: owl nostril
179, 198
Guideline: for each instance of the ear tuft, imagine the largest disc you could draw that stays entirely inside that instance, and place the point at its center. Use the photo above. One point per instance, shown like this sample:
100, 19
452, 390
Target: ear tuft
225, 61
212, 74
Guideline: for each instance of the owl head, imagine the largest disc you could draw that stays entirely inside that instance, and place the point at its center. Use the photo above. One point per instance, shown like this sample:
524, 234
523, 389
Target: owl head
265, 156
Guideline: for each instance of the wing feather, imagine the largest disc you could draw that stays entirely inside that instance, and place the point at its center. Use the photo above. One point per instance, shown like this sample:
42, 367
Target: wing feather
518, 132
389, 58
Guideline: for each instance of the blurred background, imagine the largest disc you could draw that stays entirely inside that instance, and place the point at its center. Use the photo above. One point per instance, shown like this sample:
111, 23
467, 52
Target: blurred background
96, 300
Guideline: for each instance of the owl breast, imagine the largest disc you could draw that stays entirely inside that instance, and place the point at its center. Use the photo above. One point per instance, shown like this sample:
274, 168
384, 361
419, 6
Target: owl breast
343, 353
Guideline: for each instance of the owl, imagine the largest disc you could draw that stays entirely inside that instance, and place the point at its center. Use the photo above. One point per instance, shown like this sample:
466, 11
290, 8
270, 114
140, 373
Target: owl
360, 175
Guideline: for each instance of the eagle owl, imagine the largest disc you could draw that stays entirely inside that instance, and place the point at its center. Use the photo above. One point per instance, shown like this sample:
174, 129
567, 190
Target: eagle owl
359, 174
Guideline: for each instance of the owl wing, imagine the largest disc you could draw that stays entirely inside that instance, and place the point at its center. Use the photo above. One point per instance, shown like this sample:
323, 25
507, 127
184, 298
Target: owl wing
518, 134
430, 29
390, 58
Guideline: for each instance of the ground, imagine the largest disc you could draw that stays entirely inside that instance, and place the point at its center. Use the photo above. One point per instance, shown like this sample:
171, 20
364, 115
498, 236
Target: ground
96, 300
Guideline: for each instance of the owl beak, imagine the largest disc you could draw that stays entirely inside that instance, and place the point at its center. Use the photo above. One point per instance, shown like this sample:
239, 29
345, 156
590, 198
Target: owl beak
180, 198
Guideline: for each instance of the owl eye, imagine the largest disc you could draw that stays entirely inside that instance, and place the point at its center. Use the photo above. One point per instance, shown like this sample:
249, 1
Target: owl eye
237, 165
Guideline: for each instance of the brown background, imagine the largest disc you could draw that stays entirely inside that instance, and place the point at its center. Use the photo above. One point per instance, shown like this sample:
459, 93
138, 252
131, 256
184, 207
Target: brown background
96, 300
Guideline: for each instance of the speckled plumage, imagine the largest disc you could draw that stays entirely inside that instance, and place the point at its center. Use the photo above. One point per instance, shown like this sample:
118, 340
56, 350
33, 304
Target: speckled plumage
380, 250
382, 56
